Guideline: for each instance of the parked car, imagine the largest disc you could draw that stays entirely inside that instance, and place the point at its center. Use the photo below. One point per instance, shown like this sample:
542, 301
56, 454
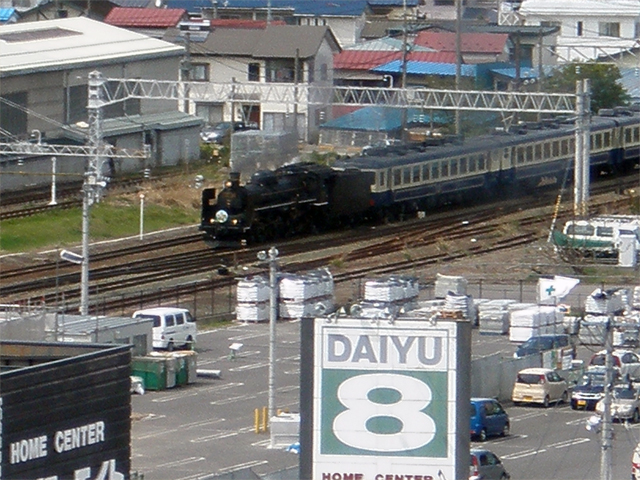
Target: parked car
543, 343
221, 132
635, 463
539, 385
172, 327
488, 418
625, 403
485, 465
625, 362
589, 390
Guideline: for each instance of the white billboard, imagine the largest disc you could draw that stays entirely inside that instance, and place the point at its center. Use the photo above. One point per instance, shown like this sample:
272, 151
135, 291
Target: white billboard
385, 400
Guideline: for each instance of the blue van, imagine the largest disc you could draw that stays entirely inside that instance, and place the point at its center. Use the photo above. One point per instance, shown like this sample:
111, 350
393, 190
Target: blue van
488, 418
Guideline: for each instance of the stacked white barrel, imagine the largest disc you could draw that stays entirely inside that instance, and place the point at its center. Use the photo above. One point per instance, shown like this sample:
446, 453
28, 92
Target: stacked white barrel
252, 295
301, 295
533, 321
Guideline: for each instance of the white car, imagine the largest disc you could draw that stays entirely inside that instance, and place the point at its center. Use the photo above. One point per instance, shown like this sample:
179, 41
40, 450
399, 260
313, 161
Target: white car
625, 404
625, 362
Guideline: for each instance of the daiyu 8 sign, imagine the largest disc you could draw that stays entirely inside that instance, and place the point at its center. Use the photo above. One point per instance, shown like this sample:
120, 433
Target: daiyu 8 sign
386, 399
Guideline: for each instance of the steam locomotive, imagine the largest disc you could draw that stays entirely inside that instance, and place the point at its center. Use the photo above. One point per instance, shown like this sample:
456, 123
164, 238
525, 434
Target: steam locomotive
293, 199
392, 183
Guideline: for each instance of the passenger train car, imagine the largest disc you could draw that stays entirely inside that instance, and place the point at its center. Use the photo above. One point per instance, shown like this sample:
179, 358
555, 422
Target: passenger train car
393, 183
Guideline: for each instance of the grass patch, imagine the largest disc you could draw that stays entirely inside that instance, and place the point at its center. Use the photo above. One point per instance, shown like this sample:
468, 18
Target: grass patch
169, 202
112, 218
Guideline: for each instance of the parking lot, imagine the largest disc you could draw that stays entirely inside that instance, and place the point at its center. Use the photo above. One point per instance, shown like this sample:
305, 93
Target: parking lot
207, 428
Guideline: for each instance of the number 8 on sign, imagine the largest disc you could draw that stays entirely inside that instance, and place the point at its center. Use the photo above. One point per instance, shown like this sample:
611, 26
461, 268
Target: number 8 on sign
384, 413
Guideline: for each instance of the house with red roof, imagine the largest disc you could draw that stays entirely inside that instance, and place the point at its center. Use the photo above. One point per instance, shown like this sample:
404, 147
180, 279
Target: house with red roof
475, 47
148, 21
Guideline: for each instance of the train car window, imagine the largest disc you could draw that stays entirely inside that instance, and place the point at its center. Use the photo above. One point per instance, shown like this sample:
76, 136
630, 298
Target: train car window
636, 134
520, 155
397, 177
482, 162
406, 176
628, 135
598, 143
463, 165
537, 154
591, 142
547, 150
425, 172
435, 171
472, 164
607, 139
574, 229
565, 147
572, 146
556, 149
454, 167
529, 153
604, 231
416, 174
444, 170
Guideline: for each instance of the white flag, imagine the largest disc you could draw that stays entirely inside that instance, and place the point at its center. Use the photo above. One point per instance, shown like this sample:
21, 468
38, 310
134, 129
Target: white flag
555, 288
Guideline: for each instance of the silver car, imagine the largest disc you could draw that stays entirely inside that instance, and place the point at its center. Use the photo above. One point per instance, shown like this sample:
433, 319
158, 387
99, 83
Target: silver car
485, 465
625, 404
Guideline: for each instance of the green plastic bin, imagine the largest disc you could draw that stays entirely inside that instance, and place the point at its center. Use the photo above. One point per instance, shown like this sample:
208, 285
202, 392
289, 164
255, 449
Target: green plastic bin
153, 371
182, 374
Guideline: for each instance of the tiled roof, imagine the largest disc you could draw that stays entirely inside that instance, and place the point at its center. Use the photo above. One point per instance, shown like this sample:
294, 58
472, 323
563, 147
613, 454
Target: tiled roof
342, 8
145, 17
241, 23
393, 3
427, 68
469, 42
275, 41
367, 59
6, 14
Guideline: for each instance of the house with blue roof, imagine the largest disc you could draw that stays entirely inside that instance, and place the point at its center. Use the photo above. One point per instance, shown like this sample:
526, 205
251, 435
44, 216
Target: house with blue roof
8, 15
346, 18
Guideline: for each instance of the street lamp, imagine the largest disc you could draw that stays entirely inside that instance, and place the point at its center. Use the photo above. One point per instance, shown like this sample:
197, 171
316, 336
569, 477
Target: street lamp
141, 215
272, 256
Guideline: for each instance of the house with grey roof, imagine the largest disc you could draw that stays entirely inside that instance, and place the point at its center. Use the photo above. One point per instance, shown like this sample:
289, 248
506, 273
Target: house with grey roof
346, 18
44, 72
274, 54
589, 29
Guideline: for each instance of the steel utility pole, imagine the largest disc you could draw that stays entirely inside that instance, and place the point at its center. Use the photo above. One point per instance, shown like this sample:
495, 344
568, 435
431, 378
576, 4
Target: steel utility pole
93, 180
607, 430
582, 136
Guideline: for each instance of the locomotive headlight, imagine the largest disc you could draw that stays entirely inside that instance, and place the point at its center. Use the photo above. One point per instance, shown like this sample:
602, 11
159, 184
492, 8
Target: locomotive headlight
234, 221
221, 216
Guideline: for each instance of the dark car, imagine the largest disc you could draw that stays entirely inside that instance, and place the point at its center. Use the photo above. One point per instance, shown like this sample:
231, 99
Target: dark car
589, 390
488, 417
221, 132
543, 343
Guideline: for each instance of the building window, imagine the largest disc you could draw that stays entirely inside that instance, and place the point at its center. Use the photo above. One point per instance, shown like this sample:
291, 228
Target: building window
579, 29
280, 70
254, 72
323, 72
609, 29
200, 72
553, 24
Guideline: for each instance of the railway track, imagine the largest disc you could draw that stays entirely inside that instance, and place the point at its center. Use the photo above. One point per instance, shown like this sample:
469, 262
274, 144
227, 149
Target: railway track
189, 266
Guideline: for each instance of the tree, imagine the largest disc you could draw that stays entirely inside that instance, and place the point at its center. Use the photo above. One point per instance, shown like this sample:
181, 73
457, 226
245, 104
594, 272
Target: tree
606, 92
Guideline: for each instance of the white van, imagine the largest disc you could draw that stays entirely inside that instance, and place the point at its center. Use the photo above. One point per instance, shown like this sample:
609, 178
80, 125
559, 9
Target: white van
172, 327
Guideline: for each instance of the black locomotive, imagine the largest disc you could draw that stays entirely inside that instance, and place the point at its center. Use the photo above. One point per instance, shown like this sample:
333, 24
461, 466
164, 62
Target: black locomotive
293, 199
